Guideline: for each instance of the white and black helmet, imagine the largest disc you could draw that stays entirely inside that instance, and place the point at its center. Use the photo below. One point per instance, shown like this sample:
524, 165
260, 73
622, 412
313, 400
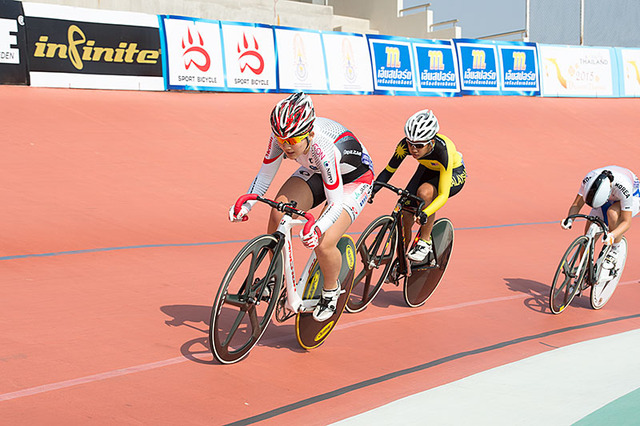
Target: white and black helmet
598, 189
421, 126
293, 116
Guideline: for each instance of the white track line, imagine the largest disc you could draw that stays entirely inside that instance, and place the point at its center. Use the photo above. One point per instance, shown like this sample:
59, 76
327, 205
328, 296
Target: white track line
153, 365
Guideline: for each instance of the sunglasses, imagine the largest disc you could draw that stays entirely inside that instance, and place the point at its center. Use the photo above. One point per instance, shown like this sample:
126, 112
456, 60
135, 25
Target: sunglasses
420, 145
292, 140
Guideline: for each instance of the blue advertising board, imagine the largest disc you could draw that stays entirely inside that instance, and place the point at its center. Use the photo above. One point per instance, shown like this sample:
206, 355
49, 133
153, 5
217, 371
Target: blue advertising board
498, 67
478, 63
392, 65
437, 69
519, 68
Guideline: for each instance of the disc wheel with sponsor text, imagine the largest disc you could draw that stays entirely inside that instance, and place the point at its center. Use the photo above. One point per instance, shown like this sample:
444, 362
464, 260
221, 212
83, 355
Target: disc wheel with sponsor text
312, 333
426, 276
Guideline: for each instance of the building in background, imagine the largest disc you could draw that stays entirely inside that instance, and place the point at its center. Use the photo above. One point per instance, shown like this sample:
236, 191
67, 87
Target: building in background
584, 22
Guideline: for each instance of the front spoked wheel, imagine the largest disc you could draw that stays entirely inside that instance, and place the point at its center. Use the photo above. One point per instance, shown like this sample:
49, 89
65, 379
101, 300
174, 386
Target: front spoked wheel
376, 248
569, 275
426, 276
245, 300
607, 280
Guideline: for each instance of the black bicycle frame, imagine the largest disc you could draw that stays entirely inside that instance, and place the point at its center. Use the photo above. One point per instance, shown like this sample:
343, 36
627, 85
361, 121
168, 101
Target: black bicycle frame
405, 264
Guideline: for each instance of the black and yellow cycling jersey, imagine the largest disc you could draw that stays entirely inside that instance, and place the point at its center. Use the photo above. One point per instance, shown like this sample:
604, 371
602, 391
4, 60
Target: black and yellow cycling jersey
442, 167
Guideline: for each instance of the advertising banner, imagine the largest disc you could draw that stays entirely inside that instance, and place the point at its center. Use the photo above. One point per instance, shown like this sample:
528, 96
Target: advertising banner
391, 61
249, 55
629, 71
87, 48
437, 68
13, 44
518, 68
301, 64
348, 63
577, 71
478, 61
193, 58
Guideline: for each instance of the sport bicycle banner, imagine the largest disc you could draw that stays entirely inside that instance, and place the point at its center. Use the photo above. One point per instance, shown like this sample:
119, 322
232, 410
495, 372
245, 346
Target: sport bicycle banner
193, 58
13, 44
392, 64
348, 63
250, 58
436, 66
578, 71
629, 71
301, 63
89, 48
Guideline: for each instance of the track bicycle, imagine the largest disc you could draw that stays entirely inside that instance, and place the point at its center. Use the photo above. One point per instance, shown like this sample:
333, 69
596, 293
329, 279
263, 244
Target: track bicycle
578, 270
250, 291
382, 257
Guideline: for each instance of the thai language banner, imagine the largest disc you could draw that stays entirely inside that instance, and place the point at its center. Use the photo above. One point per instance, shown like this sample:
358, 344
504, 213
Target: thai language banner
518, 68
301, 64
577, 71
250, 57
436, 67
498, 67
348, 63
478, 62
88, 48
392, 64
629, 71
13, 44
193, 58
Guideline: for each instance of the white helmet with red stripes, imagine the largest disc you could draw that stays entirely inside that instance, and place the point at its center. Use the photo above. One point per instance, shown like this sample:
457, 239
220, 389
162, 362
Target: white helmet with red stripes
293, 116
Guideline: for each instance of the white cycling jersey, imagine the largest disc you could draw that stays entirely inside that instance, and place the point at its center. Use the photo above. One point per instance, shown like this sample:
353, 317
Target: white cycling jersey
625, 189
334, 153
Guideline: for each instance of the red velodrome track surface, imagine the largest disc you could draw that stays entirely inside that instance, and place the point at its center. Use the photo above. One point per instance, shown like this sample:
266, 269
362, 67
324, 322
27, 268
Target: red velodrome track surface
115, 238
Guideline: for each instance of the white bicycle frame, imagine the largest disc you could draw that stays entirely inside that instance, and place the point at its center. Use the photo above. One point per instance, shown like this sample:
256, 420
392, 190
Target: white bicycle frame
295, 289
591, 234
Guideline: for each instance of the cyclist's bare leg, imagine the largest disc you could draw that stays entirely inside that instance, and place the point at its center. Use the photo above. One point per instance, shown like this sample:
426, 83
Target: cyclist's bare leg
428, 193
407, 224
329, 256
293, 189
617, 222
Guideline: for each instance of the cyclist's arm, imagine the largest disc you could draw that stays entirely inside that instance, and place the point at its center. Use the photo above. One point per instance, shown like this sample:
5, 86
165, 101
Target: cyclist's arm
402, 150
576, 206
333, 189
270, 165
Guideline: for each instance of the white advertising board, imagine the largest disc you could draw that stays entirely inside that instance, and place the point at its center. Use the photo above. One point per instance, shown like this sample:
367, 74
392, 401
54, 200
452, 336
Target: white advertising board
193, 54
630, 69
249, 53
301, 63
576, 71
348, 63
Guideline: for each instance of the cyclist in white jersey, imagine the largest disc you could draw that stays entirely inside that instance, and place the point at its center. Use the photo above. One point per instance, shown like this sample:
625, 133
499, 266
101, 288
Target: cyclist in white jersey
613, 193
335, 167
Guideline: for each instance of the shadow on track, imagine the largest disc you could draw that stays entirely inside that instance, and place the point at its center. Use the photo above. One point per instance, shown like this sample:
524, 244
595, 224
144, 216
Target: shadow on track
198, 317
539, 295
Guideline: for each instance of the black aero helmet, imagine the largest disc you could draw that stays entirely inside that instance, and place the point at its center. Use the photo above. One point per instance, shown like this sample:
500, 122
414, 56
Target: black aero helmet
598, 189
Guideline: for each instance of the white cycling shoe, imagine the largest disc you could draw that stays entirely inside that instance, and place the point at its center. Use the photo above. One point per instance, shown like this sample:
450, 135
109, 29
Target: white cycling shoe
327, 305
610, 261
420, 251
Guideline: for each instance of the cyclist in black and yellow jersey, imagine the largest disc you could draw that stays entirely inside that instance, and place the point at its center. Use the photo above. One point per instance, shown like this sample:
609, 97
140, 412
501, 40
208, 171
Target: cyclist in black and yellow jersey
441, 174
